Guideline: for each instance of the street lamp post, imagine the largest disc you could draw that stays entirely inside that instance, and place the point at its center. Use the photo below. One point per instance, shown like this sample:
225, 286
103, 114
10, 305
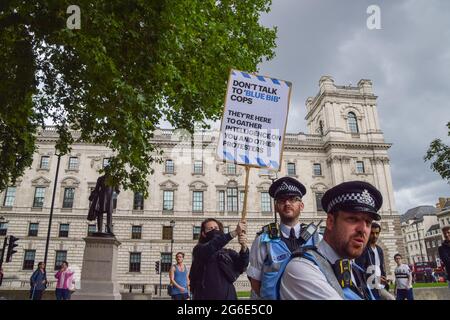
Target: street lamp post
172, 226
51, 209
418, 238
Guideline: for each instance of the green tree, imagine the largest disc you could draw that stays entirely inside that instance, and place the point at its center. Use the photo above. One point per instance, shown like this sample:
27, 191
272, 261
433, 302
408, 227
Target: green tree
131, 65
439, 154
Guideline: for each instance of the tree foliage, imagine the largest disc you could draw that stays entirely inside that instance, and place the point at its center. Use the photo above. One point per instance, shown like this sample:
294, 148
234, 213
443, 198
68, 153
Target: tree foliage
439, 154
131, 65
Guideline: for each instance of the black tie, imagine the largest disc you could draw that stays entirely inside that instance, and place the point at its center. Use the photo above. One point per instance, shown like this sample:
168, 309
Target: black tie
293, 240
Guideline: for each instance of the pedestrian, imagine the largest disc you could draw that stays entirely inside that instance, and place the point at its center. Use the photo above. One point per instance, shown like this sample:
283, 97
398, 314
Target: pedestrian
179, 279
64, 282
372, 261
403, 280
38, 282
328, 272
214, 269
444, 251
271, 248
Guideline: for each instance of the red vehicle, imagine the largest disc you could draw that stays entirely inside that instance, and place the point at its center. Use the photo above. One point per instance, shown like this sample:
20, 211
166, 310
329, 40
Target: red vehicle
422, 272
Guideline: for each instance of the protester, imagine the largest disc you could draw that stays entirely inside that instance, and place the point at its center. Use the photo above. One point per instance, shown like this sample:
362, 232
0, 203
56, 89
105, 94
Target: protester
444, 251
215, 269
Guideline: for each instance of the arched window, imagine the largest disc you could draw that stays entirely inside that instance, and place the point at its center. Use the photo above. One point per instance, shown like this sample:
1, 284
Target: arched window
352, 123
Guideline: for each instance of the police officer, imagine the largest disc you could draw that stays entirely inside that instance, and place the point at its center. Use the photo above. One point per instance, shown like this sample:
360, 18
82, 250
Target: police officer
329, 273
273, 247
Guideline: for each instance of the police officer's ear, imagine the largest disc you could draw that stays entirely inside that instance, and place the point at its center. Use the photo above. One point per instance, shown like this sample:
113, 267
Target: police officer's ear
331, 220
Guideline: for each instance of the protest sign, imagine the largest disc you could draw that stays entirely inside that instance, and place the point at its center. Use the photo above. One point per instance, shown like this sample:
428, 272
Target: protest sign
254, 120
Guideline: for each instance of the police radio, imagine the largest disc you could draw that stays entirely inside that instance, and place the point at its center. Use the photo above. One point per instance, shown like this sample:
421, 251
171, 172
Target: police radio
308, 232
273, 230
342, 270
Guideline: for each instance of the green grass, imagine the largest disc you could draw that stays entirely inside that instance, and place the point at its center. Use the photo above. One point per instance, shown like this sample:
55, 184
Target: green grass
243, 294
430, 285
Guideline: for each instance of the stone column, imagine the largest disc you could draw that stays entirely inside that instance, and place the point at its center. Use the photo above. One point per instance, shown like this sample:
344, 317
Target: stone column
99, 276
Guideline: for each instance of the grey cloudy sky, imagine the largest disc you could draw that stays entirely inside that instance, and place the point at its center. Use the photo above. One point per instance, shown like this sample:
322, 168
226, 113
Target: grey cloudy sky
408, 61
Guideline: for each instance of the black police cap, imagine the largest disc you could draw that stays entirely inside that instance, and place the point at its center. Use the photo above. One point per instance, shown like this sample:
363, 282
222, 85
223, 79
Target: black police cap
353, 196
286, 187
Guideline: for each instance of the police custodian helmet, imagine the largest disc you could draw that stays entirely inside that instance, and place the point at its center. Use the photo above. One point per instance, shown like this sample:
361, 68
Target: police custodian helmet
353, 196
287, 187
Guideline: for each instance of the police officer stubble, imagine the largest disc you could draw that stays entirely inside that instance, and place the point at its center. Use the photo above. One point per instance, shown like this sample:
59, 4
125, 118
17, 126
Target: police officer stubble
348, 232
289, 210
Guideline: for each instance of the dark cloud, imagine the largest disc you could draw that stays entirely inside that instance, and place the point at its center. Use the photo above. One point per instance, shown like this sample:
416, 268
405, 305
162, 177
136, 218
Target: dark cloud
408, 61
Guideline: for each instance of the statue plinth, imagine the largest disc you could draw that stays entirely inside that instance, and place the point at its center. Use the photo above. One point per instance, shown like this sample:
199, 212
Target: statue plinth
98, 275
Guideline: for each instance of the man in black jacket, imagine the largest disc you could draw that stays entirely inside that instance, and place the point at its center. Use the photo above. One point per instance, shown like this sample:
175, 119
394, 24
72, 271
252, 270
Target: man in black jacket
214, 268
372, 260
444, 251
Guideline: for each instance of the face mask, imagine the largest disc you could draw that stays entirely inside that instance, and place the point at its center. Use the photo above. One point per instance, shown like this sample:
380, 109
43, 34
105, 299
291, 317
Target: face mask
212, 234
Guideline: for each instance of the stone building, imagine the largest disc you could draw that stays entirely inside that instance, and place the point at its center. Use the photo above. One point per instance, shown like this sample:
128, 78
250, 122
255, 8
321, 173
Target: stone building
344, 142
414, 224
433, 239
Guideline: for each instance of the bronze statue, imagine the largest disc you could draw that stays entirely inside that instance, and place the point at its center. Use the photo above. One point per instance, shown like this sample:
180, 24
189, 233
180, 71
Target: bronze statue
102, 201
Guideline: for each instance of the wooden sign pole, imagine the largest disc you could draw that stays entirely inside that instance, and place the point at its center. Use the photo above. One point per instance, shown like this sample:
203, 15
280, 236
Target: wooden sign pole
244, 209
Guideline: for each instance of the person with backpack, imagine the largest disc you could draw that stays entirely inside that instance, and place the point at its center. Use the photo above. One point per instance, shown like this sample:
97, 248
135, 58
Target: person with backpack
329, 272
214, 269
273, 246
179, 279
38, 282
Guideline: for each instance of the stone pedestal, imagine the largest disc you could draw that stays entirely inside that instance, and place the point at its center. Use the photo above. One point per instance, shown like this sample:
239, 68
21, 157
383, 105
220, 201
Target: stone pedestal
98, 276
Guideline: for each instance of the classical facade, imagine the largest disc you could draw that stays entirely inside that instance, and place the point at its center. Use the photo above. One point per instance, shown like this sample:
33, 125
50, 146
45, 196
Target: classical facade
345, 142
414, 224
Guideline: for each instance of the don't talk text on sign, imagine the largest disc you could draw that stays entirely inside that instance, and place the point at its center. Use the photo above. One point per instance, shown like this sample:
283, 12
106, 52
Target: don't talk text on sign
254, 120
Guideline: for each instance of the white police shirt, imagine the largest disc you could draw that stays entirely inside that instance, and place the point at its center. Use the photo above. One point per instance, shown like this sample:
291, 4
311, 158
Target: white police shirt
303, 280
258, 252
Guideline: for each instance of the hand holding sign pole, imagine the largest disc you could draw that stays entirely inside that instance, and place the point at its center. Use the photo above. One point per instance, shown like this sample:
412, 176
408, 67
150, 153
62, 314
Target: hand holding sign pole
254, 123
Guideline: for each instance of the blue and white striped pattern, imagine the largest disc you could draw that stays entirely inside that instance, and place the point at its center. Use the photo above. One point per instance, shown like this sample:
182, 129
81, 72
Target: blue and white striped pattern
261, 78
252, 161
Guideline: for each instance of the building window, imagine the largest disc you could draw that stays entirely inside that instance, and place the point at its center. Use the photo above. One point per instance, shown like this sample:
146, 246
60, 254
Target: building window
415, 246
433, 244
167, 233
138, 203
439, 243
28, 259
291, 169
196, 233
221, 200
60, 256
226, 229
232, 199
428, 245
169, 166
69, 194
10, 195
33, 229
45, 160
3, 228
168, 200
317, 169
105, 162
63, 230
166, 261
39, 194
197, 201
114, 199
136, 232
241, 200
92, 228
198, 166
266, 203
360, 167
135, 262
352, 123
319, 196
231, 168
73, 163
